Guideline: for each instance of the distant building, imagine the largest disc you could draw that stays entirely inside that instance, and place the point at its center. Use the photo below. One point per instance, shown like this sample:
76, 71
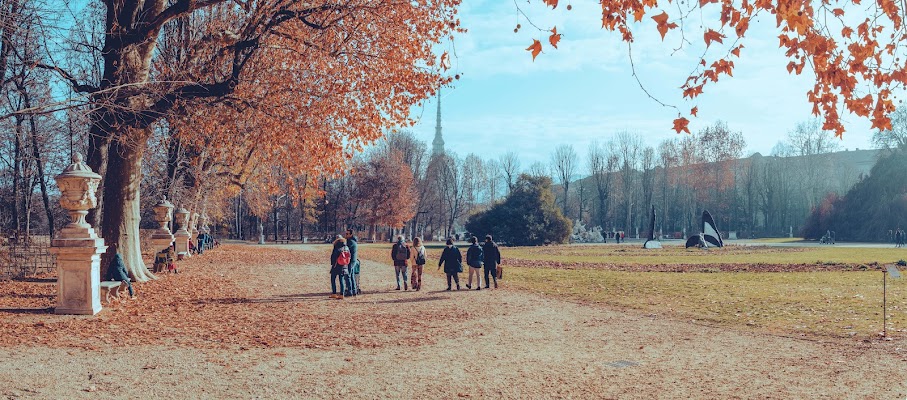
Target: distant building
437, 145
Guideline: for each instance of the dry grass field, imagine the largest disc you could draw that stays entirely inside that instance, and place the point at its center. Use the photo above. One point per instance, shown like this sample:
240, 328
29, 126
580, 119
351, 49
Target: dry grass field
801, 291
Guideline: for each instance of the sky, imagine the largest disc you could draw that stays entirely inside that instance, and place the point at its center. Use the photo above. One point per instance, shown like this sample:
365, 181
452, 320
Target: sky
584, 91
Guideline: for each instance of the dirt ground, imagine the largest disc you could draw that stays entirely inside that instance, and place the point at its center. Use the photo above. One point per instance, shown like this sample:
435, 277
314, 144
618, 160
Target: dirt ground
256, 322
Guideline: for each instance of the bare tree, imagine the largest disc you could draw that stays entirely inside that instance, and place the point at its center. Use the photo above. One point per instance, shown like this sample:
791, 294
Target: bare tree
627, 147
539, 169
896, 138
599, 160
510, 165
563, 162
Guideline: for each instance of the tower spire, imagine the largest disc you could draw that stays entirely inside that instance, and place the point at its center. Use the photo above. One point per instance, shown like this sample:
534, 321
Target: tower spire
437, 145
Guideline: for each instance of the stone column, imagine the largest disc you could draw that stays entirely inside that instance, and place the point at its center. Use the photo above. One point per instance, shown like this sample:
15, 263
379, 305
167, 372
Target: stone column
163, 213
78, 248
182, 235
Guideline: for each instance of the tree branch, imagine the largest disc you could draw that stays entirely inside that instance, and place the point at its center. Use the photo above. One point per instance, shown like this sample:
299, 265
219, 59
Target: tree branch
78, 87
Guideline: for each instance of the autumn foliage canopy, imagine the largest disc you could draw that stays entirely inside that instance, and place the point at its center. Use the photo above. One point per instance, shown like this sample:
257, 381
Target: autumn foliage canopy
854, 49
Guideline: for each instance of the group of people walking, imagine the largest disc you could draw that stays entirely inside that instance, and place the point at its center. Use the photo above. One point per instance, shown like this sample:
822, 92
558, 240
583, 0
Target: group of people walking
409, 261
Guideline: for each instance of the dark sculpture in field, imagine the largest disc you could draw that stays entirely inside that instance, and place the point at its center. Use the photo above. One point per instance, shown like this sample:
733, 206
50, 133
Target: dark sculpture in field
709, 236
651, 242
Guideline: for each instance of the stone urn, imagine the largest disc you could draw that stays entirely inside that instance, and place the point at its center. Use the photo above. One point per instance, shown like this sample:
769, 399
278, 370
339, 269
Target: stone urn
193, 225
182, 235
78, 185
78, 248
163, 213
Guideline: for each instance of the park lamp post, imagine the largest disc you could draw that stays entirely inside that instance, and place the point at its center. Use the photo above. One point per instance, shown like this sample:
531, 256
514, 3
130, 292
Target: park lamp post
78, 248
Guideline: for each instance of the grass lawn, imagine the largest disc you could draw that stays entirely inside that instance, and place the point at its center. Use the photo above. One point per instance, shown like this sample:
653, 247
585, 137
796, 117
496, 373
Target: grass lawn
824, 303
727, 255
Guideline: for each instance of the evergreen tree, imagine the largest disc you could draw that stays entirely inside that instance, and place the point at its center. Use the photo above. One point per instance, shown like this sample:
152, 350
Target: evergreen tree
527, 217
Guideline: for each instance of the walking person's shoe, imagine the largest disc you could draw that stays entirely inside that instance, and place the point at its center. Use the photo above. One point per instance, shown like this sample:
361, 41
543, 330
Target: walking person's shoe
398, 288
486, 287
468, 286
458, 287
495, 284
448, 288
405, 287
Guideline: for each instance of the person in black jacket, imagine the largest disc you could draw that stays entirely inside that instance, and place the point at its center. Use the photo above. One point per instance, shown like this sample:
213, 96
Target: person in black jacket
492, 257
116, 271
475, 259
340, 271
451, 259
353, 243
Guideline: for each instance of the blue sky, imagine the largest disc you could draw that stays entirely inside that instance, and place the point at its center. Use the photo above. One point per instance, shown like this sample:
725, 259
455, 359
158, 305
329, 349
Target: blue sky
585, 91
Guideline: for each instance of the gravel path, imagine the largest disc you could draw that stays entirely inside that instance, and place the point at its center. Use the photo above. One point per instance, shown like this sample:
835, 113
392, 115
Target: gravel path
436, 344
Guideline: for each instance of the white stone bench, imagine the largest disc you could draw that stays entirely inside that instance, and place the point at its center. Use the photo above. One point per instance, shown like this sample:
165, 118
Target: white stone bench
111, 289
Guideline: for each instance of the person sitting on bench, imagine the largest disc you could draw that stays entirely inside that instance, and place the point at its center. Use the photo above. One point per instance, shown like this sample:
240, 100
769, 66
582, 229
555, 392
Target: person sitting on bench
116, 271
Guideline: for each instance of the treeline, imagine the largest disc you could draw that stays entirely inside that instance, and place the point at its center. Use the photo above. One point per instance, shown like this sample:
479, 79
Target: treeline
617, 182
611, 185
874, 208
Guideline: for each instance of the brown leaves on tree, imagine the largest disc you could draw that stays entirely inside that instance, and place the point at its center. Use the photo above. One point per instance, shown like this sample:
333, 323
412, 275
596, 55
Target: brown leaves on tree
680, 125
553, 39
535, 48
663, 25
712, 35
552, 3
857, 64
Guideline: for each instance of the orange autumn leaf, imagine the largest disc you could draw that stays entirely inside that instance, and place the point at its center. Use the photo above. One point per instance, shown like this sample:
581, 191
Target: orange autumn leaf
736, 50
680, 125
838, 12
552, 3
535, 48
554, 38
742, 26
663, 25
712, 35
445, 61
638, 14
694, 111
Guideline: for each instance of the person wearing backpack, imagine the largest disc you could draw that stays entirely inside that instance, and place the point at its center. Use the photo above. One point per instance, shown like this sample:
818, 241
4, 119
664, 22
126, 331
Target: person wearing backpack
492, 258
340, 261
400, 254
451, 259
418, 263
474, 258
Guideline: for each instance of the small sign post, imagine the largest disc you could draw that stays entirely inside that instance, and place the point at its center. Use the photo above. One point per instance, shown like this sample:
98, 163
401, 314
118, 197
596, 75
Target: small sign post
895, 274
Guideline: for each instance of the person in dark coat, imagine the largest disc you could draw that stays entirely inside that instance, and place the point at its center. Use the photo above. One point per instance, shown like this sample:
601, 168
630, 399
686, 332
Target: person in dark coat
340, 272
353, 243
475, 259
452, 260
400, 253
492, 257
116, 271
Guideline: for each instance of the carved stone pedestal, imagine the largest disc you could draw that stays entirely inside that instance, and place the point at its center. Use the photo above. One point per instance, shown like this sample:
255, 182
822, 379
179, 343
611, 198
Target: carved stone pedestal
79, 276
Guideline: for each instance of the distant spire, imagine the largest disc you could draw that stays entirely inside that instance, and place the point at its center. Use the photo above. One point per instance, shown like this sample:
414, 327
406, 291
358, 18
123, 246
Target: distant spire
437, 145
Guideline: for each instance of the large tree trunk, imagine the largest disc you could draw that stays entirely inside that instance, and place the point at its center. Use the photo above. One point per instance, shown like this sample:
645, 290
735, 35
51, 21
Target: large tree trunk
121, 213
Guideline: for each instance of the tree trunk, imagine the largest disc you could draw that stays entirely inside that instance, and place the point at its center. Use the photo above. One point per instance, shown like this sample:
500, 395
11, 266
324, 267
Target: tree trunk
37, 154
17, 170
121, 213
